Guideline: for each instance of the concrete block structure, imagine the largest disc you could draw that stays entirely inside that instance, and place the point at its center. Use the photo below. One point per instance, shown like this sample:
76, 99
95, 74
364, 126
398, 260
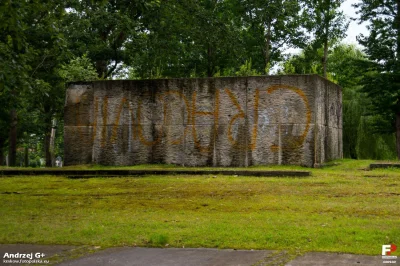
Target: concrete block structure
232, 121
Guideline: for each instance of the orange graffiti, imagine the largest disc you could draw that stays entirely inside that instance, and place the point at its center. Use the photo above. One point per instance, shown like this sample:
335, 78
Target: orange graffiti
115, 125
134, 126
94, 125
179, 94
101, 106
140, 129
201, 113
104, 114
241, 114
253, 143
294, 143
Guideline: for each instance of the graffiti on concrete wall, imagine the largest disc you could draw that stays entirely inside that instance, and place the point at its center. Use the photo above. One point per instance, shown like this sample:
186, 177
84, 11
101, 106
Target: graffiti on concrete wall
117, 112
240, 121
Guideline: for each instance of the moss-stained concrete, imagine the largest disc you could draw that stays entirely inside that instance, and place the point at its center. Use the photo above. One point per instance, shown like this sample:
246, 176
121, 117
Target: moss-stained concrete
244, 121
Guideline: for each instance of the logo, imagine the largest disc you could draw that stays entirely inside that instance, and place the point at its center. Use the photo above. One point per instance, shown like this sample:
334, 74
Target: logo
387, 253
24, 258
388, 249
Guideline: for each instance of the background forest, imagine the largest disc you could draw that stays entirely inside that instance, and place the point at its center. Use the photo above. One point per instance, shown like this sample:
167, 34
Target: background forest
45, 44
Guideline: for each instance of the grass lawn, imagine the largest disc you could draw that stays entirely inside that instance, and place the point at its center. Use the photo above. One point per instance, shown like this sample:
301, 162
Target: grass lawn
342, 208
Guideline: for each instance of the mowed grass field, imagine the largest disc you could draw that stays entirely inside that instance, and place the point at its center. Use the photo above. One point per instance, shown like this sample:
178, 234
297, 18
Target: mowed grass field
341, 208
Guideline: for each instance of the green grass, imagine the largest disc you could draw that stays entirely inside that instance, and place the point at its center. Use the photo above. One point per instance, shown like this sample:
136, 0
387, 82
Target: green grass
341, 208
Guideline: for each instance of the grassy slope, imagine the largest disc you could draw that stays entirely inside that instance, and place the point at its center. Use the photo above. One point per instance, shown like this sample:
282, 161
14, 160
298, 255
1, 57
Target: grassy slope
338, 209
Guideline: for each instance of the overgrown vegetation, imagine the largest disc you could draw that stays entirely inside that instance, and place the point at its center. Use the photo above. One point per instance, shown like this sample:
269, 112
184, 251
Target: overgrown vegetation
341, 208
44, 44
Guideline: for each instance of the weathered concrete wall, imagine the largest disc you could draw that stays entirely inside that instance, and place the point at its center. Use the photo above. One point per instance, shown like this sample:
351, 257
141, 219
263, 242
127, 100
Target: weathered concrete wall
245, 121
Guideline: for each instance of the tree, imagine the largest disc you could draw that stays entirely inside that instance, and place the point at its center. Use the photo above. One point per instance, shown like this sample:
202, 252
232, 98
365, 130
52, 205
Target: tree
33, 47
269, 26
187, 39
78, 69
327, 23
382, 46
360, 140
103, 28
14, 54
46, 93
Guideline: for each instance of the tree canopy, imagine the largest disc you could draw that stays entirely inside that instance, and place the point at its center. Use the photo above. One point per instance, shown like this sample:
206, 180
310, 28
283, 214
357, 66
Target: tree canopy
45, 44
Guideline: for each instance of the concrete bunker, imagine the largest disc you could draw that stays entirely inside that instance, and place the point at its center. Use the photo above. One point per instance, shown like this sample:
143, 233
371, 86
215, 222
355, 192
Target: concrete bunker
232, 121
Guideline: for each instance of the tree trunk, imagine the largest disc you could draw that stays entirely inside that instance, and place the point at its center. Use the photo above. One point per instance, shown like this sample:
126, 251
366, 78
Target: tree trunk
325, 59
267, 49
47, 136
26, 159
398, 135
209, 62
47, 148
12, 154
327, 22
2, 141
101, 68
52, 142
397, 26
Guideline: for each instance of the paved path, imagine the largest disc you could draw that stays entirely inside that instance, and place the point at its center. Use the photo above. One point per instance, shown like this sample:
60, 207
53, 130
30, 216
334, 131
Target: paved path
125, 256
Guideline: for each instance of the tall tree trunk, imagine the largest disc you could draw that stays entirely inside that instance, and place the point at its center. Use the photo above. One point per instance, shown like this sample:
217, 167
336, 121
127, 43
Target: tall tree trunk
2, 141
209, 62
398, 135
325, 59
47, 148
101, 68
12, 154
397, 26
52, 141
327, 22
267, 49
26, 157
47, 136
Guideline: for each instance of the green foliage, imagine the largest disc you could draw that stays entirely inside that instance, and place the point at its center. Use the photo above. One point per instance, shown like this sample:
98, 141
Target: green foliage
382, 79
373, 145
268, 27
325, 20
382, 43
246, 70
78, 69
104, 28
143, 39
187, 39
361, 138
307, 62
30, 46
353, 109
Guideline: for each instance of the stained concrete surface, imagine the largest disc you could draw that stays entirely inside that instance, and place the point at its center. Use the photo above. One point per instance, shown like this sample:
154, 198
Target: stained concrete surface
336, 259
230, 121
171, 257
